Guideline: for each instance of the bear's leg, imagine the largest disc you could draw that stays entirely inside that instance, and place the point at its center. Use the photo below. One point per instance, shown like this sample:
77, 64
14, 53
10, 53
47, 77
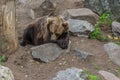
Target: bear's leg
23, 42
63, 41
28, 37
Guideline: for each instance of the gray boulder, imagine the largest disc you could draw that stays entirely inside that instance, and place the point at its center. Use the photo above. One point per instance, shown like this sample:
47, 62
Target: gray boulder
80, 27
70, 74
108, 75
101, 6
47, 52
82, 54
81, 14
113, 50
116, 28
6, 73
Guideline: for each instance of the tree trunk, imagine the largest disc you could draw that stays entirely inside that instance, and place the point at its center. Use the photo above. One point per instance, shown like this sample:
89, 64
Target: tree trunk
8, 39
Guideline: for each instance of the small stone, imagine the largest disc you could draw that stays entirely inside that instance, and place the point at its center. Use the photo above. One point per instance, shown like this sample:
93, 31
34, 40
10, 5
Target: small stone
80, 28
26, 76
22, 67
72, 59
82, 54
6, 73
108, 75
60, 64
69, 74
63, 59
113, 50
116, 28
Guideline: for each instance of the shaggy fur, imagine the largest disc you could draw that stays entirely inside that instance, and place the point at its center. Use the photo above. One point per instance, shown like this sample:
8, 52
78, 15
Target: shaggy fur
45, 30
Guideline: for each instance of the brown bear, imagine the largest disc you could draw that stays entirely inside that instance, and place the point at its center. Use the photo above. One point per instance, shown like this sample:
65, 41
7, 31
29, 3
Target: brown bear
47, 29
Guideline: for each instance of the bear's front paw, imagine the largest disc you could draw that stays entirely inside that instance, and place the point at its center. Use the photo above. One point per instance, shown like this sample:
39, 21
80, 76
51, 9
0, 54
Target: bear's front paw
63, 44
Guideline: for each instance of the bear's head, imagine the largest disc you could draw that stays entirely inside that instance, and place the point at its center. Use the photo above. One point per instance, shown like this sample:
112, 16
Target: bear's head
57, 26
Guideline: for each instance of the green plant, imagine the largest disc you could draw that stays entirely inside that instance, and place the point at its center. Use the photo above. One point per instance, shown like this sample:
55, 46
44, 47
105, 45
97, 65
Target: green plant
117, 42
117, 71
93, 77
2, 58
96, 33
105, 19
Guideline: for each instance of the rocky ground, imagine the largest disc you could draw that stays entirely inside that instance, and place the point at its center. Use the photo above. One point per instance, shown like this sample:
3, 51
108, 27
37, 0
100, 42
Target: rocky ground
24, 67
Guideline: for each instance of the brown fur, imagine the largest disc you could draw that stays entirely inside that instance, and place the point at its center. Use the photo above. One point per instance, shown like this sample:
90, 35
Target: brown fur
46, 29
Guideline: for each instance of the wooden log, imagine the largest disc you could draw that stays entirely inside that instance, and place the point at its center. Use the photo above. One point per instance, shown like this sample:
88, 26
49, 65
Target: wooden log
8, 39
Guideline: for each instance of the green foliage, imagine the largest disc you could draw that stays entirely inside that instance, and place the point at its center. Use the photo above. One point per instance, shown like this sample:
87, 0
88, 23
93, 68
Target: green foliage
105, 19
96, 33
93, 77
117, 42
117, 72
2, 59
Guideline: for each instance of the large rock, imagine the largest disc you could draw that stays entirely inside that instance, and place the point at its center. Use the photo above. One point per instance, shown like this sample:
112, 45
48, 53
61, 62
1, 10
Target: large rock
81, 14
113, 50
108, 75
80, 27
82, 54
6, 73
70, 74
101, 6
47, 52
116, 28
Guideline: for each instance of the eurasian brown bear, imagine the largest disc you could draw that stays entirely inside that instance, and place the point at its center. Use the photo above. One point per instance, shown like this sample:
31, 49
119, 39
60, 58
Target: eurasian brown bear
47, 29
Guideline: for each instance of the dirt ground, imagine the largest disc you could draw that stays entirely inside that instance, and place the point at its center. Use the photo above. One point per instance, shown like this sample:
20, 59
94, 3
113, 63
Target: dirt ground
25, 68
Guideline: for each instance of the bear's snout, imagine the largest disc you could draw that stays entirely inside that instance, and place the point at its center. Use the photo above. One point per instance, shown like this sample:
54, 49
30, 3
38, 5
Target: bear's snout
53, 37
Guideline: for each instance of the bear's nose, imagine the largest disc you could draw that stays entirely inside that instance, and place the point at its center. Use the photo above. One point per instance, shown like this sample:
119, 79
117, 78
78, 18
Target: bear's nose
53, 37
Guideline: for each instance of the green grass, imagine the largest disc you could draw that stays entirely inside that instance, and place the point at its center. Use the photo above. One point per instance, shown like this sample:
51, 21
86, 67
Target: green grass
117, 42
2, 59
105, 19
91, 76
117, 72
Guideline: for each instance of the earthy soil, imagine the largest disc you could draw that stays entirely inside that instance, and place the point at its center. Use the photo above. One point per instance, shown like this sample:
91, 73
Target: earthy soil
25, 68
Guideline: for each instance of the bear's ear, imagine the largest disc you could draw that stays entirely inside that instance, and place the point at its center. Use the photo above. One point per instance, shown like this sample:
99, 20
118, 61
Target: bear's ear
49, 20
66, 25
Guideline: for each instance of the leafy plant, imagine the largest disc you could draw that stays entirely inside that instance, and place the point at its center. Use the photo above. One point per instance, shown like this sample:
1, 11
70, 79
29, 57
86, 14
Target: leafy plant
117, 72
117, 42
93, 77
2, 59
105, 19
96, 33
